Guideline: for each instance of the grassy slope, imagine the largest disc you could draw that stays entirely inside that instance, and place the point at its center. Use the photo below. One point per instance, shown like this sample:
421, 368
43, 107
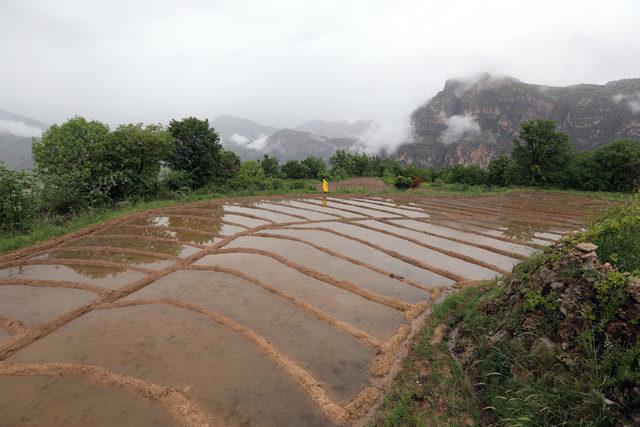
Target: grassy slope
536, 352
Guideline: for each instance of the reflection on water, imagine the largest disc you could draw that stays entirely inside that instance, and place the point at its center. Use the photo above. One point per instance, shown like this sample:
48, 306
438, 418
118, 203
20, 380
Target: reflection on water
108, 277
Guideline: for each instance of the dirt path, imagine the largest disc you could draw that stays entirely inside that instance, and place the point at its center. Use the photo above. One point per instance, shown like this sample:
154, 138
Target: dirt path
308, 301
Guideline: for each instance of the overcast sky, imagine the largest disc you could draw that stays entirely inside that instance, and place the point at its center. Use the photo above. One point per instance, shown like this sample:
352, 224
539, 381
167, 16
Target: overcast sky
284, 62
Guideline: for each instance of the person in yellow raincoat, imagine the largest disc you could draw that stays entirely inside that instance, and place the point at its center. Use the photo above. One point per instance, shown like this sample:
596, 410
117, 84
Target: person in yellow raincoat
325, 186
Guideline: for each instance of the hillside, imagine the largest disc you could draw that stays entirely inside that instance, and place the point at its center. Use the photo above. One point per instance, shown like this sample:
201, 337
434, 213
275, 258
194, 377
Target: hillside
15, 139
251, 140
473, 121
336, 129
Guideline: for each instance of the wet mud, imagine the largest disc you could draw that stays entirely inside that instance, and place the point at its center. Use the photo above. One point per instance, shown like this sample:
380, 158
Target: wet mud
253, 311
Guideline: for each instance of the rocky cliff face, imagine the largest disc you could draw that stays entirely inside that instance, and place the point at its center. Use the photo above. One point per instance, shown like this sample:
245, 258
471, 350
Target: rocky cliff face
474, 121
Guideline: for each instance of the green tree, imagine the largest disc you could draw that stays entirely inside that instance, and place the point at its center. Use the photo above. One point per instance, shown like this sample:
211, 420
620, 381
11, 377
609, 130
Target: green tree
197, 149
18, 202
541, 153
229, 164
73, 162
500, 171
270, 166
136, 152
294, 169
342, 161
316, 167
612, 167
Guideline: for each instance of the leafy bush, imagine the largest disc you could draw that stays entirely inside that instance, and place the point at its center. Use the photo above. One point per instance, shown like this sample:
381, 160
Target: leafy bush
18, 202
472, 175
403, 182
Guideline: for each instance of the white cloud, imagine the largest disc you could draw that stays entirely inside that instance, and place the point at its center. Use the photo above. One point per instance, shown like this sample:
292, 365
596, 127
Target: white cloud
239, 139
258, 143
633, 100
459, 126
19, 129
384, 134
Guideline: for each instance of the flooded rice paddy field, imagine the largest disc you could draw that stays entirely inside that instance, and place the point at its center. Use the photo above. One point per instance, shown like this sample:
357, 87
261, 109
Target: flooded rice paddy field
273, 311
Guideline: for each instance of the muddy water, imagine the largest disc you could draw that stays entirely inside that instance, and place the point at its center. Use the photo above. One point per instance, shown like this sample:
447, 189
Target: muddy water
367, 255
337, 360
245, 221
466, 236
520, 233
199, 224
163, 232
333, 203
69, 401
323, 208
146, 261
34, 305
271, 216
376, 319
388, 210
501, 261
287, 208
412, 250
105, 277
224, 373
336, 267
162, 247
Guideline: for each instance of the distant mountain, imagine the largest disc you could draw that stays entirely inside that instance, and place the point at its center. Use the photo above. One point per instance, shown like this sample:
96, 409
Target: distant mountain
16, 133
476, 120
289, 144
336, 129
251, 140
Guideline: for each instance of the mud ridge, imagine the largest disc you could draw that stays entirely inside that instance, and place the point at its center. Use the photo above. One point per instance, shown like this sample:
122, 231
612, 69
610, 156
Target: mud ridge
114, 250
148, 238
436, 248
175, 403
319, 314
314, 389
462, 241
342, 284
63, 261
394, 254
55, 284
348, 258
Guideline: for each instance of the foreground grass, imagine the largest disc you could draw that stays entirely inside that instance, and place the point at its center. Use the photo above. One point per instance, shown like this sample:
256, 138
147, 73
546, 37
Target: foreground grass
431, 389
557, 342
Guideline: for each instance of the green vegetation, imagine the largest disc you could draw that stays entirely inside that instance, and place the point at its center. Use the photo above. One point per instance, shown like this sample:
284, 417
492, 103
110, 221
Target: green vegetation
557, 342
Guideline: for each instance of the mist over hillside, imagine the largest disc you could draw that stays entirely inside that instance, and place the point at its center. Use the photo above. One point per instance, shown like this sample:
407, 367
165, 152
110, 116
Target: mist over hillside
16, 133
474, 120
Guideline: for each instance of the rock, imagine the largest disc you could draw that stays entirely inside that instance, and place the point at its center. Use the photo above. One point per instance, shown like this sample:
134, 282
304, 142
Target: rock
586, 247
543, 349
633, 288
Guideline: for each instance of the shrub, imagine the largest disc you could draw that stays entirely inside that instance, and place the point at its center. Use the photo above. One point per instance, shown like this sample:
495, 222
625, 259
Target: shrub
18, 203
403, 182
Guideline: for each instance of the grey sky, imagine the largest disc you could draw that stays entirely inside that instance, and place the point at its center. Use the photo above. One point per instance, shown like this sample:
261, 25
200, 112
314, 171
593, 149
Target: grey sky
284, 62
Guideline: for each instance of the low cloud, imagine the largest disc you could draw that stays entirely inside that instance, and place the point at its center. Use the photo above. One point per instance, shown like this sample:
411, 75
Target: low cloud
239, 139
259, 143
384, 135
458, 126
632, 99
19, 129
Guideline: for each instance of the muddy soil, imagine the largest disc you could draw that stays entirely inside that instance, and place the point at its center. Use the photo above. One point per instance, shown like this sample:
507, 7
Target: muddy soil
261, 311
